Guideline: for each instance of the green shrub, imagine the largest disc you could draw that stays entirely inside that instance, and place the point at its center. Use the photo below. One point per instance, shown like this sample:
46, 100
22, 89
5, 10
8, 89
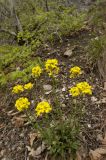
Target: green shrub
52, 25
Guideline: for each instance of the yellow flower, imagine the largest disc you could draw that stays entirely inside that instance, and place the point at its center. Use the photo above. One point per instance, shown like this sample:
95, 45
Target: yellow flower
84, 87
74, 91
28, 86
22, 104
18, 89
36, 71
51, 67
43, 107
81, 88
75, 71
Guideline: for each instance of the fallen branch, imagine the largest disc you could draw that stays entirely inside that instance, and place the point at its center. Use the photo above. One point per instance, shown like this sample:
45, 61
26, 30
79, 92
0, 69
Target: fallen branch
8, 32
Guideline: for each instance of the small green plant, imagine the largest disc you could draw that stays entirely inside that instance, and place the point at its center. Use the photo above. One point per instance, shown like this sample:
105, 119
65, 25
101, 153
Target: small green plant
58, 129
3, 79
16, 63
97, 15
96, 48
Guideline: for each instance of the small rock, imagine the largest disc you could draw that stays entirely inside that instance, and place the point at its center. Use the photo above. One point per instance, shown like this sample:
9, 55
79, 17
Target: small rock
96, 38
18, 68
63, 89
22, 135
62, 96
47, 87
58, 90
68, 53
33, 102
48, 92
93, 99
63, 105
89, 125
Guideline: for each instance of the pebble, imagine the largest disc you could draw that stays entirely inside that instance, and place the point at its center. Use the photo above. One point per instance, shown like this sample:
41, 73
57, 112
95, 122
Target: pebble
47, 87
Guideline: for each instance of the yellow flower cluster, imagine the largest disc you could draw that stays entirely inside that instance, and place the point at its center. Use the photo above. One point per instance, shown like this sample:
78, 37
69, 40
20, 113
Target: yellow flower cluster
36, 71
84, 87
51, 67
43, 107
81, 88
28, 86
22, 104
75, 71
74, 91
18, 89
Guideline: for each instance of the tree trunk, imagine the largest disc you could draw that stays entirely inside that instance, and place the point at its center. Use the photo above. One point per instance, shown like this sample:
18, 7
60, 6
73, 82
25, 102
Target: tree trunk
46, 4
14, 14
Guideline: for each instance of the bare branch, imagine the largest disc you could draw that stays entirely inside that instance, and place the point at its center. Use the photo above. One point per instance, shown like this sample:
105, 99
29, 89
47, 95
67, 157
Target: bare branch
8, 32
19, 26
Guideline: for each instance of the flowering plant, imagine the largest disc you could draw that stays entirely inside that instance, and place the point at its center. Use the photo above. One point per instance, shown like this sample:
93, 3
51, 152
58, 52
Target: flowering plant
51, 66
36, 71
28, 86
75, 71
43, 107
17, 89
82, 88
58, 129
22, 104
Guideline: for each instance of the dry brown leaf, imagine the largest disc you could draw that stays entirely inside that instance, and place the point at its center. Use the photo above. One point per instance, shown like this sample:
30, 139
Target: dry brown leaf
40, 149
2, 125
103, 100
78, 156
32, 136
18, 121
105, 86
104, 140
81, 153
12, 113
32, 152
97, 153
36, 153
2, 152
101, 139
9, 113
